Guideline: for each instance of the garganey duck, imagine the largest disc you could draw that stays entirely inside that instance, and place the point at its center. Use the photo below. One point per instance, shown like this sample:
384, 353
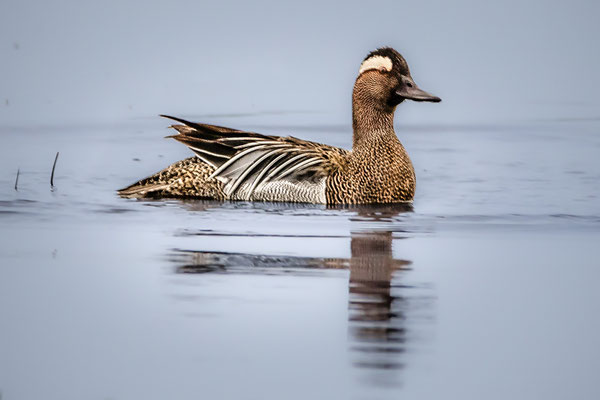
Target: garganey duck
237, 165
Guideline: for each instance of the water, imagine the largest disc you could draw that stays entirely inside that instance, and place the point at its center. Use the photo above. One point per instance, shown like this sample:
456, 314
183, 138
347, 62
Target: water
485, 288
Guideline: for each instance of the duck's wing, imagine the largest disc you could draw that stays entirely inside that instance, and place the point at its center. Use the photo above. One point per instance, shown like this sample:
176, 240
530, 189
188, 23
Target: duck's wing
248, 160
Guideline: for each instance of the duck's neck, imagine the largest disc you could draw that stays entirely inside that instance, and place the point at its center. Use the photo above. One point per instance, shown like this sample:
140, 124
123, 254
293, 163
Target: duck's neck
371, 123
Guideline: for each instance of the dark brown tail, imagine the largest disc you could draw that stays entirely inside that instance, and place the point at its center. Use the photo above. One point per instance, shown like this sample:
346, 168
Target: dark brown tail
142, 189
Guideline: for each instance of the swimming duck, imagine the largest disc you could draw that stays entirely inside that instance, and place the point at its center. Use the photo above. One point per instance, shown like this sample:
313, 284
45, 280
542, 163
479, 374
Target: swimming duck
237, 165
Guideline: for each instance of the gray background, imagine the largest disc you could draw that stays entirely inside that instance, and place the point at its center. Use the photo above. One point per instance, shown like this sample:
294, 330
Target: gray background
87, 62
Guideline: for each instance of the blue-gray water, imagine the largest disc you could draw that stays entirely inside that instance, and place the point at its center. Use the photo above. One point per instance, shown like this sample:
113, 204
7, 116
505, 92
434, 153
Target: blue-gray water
486, 288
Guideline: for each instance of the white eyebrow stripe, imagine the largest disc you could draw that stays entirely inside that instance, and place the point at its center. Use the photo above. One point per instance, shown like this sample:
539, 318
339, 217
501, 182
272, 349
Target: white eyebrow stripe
376, 62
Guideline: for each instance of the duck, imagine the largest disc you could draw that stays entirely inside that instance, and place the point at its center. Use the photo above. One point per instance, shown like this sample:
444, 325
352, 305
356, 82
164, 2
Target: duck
231, 164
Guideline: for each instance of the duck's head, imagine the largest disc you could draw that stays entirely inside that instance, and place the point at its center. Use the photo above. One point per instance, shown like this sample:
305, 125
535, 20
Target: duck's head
384, 80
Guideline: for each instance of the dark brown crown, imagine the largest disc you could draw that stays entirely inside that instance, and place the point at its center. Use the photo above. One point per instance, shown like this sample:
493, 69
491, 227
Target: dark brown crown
399, 65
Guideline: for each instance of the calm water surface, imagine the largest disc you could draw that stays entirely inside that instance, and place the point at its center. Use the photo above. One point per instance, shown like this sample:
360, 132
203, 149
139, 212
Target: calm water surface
486, 288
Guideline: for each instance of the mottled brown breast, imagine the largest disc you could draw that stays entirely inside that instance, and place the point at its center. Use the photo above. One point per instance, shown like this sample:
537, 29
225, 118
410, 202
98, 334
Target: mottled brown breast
380, 173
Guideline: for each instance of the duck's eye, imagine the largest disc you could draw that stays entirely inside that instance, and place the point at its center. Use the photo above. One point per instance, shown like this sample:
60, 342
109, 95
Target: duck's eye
409, 84
382, 69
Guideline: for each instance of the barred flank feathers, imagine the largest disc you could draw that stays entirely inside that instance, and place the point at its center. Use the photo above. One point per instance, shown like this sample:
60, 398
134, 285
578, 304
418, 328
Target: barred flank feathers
248, 160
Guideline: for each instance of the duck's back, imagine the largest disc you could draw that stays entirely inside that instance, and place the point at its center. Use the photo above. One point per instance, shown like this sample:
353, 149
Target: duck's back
238, 165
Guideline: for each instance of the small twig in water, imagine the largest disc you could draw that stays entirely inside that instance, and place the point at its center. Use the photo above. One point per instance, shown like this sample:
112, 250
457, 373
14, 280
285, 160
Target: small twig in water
17, 180
53, 167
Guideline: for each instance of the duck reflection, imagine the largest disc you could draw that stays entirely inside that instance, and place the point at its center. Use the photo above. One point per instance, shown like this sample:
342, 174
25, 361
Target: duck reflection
376, 309
377, 305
